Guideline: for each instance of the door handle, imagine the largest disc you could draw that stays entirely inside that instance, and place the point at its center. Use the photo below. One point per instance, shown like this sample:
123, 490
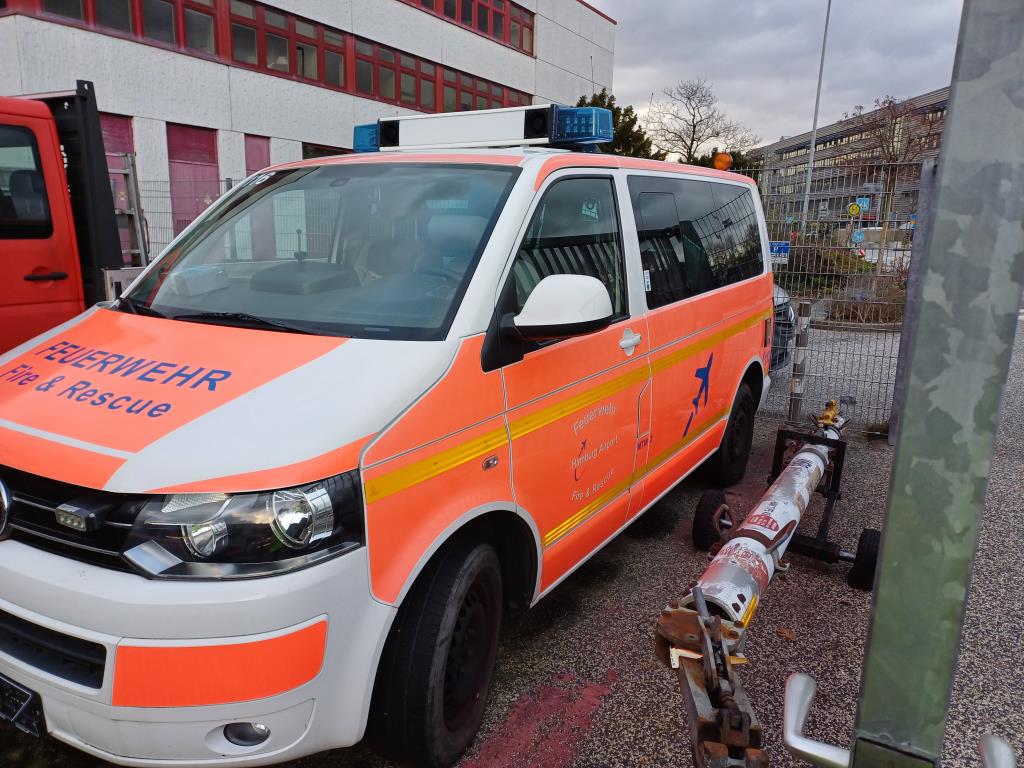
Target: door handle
629, 341
42, 278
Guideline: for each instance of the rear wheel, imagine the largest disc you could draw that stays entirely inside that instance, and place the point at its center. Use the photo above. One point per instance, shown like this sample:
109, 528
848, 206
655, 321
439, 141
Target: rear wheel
705, 531
729, 463
862, 574
436, 669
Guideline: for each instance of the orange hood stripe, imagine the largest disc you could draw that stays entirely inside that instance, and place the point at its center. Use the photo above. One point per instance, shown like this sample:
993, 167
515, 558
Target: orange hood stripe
126, 381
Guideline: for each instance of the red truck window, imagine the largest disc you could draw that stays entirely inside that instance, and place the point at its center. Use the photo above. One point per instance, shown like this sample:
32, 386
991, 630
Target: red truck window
24, 210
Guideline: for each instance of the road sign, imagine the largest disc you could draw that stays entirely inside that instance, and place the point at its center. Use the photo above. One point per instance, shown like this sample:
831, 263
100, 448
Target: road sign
864, 203
853, 209
913, 221
779, 251
789, 219
857, 236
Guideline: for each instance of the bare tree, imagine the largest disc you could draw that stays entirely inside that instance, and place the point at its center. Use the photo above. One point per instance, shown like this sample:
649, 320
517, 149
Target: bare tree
896, 131
690, 119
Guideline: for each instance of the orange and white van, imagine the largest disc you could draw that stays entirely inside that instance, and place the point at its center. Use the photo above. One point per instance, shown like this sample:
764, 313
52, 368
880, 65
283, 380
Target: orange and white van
279, 494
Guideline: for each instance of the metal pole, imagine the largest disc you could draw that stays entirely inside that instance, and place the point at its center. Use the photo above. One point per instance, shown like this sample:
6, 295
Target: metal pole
796, 380
918, 263
959, 355
814, 124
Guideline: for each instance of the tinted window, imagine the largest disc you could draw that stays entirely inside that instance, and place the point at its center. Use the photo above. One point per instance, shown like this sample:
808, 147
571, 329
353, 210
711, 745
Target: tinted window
574, 231
661, 248
199, 32
24, 210
715, 240
114, 14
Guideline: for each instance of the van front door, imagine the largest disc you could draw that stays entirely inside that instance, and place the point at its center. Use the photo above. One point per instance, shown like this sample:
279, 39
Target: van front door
573, 405
39, 269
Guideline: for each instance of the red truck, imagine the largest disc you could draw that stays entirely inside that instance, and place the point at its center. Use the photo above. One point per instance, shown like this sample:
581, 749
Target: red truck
58, 230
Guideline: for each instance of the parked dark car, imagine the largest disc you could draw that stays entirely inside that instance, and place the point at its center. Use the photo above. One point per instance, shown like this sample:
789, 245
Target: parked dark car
784, 335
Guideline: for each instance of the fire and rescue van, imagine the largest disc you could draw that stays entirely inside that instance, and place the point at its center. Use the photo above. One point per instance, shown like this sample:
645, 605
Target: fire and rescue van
279, 494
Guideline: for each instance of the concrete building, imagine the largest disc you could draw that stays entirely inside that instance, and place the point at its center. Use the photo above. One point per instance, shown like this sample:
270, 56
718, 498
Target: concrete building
849, 163
206, 90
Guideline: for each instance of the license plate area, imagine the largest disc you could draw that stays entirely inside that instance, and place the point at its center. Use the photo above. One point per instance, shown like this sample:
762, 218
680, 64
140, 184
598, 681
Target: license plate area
21, 707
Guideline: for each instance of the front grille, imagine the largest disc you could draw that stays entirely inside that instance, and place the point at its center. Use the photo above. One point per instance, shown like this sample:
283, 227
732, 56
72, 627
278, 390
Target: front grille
34, 522
69, 658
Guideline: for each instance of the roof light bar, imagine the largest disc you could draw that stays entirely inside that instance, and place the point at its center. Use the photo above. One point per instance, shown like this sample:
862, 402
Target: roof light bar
543, 125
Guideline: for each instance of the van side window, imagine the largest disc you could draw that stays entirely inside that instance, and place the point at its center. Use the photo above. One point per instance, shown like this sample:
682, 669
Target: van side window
737, 254
715, 241
574, 231
661, 248
24, 210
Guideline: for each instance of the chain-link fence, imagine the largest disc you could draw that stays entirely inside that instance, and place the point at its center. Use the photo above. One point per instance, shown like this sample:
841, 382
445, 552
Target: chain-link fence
850, 258
170, 207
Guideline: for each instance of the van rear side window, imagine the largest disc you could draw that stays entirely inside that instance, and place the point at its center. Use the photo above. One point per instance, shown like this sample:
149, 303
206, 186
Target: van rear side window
695, 236
24, 209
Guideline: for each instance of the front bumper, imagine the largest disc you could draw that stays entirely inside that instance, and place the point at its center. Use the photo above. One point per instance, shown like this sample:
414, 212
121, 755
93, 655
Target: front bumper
242, 633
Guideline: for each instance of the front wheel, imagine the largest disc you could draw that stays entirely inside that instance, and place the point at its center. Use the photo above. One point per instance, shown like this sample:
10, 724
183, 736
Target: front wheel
729, 463
436, 669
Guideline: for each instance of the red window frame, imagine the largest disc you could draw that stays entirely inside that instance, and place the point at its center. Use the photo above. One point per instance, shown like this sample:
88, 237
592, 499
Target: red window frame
481, 19
426, 75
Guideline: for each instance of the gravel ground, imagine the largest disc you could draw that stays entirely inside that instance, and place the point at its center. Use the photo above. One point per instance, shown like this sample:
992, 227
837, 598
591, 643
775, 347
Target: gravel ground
578, 683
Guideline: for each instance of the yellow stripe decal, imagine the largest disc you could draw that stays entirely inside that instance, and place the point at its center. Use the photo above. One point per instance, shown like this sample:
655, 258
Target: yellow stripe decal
402, 479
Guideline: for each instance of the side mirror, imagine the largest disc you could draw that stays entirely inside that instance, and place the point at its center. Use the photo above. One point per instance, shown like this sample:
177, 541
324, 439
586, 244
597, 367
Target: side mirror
561, 306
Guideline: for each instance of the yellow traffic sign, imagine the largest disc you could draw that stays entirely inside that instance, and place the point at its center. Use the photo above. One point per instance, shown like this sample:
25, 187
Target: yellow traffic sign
853, 209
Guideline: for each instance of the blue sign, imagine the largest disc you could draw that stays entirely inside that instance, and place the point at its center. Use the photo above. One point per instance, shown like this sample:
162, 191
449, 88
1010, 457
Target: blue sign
789, 219
779, 251
857, 236
913, 221
864, 203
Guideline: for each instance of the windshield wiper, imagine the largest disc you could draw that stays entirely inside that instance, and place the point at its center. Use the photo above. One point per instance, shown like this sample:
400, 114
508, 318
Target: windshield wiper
138, 309
242, 320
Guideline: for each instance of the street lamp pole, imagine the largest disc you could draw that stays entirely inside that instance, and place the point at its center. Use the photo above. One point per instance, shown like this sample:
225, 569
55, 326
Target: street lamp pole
814, 125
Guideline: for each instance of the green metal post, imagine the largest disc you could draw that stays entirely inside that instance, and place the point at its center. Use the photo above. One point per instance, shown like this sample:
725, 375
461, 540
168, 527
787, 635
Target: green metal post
959, 354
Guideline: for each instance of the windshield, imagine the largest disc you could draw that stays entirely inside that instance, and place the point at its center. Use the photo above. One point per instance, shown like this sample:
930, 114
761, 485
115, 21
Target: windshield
366, 250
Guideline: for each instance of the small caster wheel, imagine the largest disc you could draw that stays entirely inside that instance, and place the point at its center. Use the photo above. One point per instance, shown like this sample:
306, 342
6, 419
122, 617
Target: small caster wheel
862, 574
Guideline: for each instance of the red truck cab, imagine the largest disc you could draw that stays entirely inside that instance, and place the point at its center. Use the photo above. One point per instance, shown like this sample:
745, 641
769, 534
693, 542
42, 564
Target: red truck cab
57, 225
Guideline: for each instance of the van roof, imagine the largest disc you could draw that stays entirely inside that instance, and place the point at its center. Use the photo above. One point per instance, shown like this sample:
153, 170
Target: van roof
545, 160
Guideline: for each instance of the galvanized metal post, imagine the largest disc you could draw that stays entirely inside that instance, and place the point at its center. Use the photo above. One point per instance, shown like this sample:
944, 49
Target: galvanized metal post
814, 124
918, 265
959, 353
796, 381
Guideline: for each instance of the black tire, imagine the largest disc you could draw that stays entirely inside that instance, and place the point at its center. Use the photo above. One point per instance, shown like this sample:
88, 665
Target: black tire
862, 574
704, 533
438, 662
728, 465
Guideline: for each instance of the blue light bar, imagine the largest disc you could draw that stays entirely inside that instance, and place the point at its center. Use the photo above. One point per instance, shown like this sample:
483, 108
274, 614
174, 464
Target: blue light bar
366, 138
581, 125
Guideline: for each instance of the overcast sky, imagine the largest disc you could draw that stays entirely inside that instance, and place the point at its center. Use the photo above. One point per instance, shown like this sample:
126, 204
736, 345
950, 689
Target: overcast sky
761, 56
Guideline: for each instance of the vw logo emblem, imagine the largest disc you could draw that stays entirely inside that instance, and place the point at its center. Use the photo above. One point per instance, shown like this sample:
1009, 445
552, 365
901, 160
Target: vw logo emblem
5, 508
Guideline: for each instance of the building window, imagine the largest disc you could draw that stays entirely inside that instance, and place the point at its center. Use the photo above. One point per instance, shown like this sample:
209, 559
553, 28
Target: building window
305, 60
277, 52
200, 34
285, 45
115, 14
243, 44
158, 21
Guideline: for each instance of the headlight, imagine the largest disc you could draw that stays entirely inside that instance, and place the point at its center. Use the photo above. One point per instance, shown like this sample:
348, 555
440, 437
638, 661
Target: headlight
215, 535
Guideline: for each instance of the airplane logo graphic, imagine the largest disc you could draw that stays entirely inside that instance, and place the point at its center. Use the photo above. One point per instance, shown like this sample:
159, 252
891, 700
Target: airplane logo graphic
704, 375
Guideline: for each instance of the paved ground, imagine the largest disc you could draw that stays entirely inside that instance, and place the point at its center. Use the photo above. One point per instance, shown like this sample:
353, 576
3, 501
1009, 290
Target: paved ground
578, 684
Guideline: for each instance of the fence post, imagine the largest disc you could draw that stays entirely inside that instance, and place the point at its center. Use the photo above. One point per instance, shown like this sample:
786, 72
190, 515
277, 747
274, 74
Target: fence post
918, 264
796, 381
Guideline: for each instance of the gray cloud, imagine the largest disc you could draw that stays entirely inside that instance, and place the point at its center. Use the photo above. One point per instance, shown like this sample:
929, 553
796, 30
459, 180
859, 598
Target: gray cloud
762, 55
